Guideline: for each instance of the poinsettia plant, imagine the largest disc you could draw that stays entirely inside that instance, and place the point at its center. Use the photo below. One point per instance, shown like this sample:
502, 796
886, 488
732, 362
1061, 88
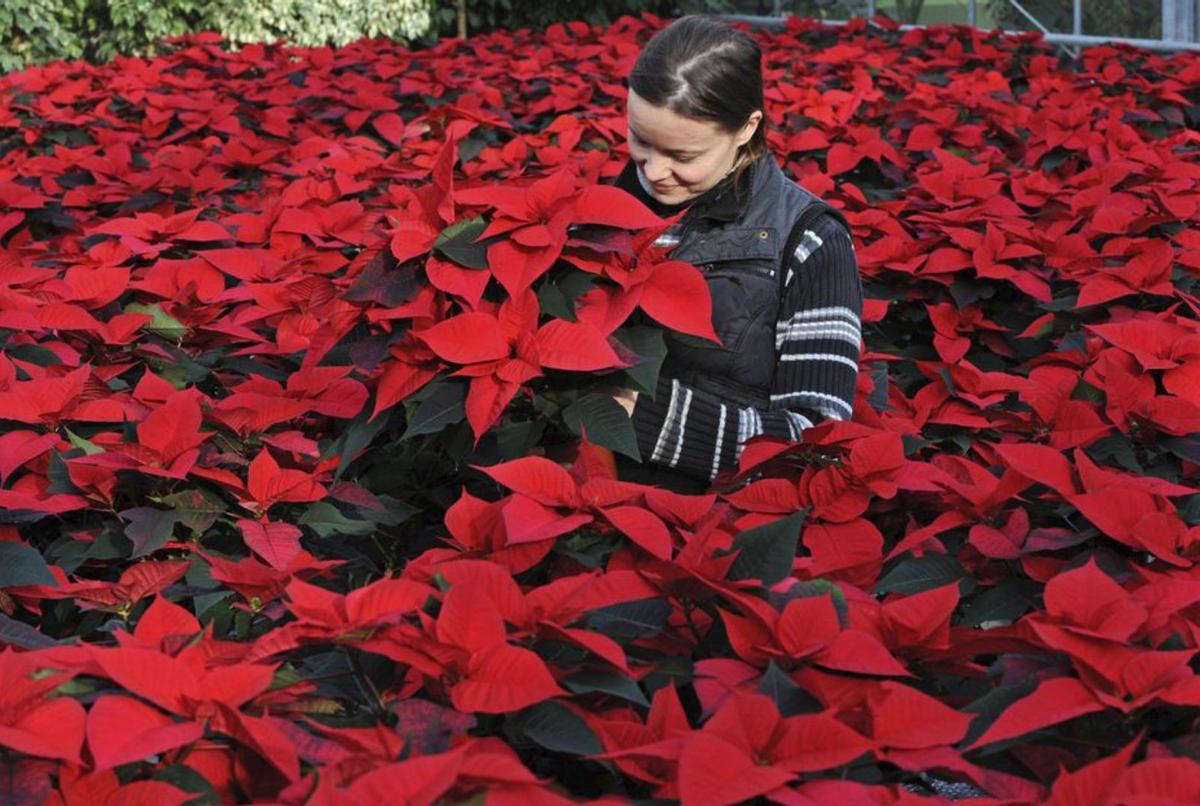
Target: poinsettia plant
308, 488
516, 281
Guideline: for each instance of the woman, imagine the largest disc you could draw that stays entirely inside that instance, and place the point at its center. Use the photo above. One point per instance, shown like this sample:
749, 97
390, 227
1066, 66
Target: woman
787, 297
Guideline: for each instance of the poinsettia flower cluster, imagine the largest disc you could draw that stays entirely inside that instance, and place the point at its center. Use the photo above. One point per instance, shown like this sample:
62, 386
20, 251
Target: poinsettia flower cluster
307, 453
502, 346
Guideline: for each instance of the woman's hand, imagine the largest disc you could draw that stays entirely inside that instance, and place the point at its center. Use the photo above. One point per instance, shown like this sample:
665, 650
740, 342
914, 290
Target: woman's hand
627, 398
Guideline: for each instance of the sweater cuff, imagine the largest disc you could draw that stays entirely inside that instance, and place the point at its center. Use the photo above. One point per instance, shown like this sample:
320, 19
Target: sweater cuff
649, 415
685, 429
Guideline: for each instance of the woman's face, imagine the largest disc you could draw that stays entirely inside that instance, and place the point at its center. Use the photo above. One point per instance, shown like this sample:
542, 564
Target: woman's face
681, 157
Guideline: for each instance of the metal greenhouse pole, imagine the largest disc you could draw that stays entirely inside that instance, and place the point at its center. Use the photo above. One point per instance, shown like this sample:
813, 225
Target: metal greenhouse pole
1178, 20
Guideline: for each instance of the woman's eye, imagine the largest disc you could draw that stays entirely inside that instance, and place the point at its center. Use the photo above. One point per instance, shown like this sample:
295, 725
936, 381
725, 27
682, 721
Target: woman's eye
640, 143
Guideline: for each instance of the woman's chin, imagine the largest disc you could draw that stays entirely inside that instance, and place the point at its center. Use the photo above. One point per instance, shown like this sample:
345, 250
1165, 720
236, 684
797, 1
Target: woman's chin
672, 196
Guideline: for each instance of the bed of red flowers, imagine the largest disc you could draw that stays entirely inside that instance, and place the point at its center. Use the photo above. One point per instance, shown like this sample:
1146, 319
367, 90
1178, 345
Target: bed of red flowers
307, 486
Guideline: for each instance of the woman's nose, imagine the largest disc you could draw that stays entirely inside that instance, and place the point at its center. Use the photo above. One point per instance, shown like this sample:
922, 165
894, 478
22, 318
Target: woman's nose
655, 168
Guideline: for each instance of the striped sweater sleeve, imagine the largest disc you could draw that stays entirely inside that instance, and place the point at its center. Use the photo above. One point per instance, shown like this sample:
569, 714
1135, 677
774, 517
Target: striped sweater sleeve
817, 339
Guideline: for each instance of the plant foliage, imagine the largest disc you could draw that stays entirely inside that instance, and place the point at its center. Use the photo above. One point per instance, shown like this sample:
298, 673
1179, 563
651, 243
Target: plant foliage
298, 345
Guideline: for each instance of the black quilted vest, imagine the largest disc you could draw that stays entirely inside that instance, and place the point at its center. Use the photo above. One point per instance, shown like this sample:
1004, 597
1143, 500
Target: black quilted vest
739, 240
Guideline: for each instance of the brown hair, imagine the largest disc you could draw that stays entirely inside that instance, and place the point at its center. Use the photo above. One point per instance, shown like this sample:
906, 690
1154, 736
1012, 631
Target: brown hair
701, 68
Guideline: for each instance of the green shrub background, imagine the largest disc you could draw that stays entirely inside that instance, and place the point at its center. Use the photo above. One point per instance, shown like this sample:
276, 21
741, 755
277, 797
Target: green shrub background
34, 31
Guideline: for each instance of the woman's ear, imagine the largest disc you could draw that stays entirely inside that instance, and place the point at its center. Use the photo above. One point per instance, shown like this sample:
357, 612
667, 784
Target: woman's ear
748, 129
